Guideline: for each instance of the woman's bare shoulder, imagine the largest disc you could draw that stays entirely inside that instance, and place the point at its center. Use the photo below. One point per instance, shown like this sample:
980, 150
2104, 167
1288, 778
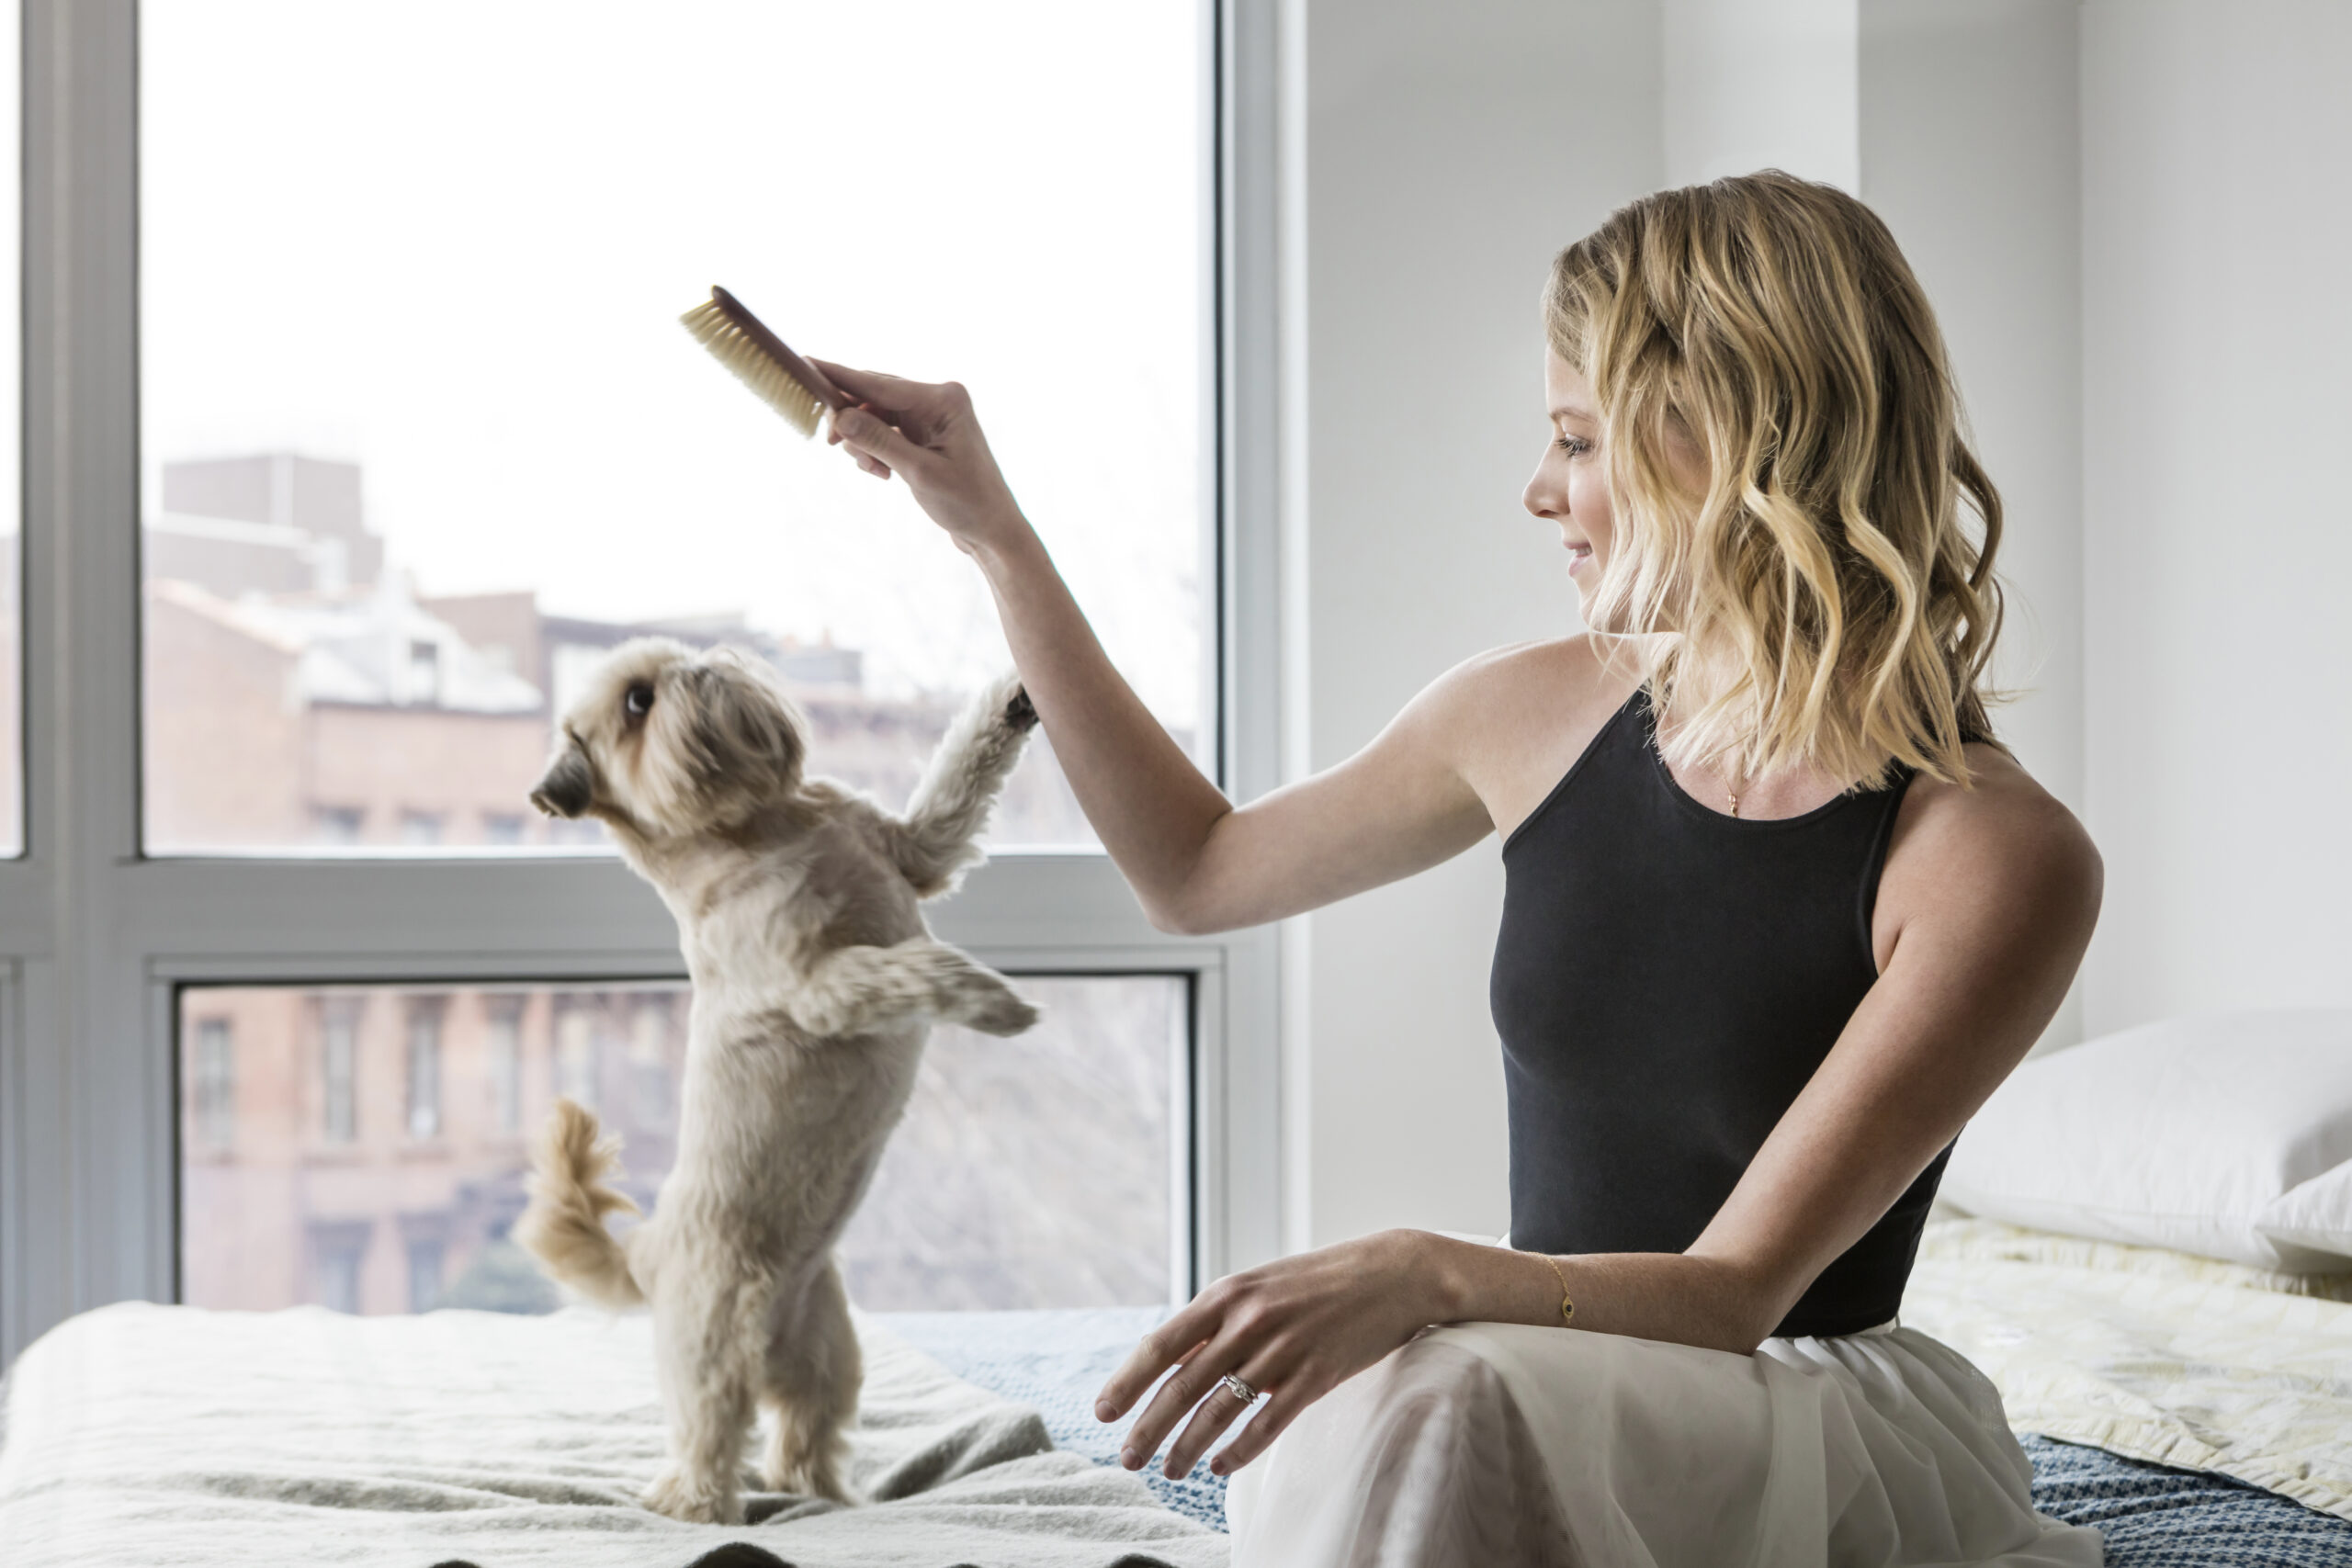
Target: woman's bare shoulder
1516, 718
2003, 847
1554, 674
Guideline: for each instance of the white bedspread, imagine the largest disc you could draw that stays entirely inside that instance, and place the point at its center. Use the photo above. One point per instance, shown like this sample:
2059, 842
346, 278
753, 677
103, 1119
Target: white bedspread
151, 1435
2151, 1354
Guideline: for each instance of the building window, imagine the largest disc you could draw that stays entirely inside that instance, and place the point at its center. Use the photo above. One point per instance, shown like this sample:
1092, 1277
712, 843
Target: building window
214, 1089
576, 1054
337, 824
424, 1063
424, 673
338, 1252
420, 828
504, 1022
648, 1059
339, 1071
424, 1275
502, 827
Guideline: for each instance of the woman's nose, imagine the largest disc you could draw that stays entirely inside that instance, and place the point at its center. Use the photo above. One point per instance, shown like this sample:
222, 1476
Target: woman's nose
1543, 497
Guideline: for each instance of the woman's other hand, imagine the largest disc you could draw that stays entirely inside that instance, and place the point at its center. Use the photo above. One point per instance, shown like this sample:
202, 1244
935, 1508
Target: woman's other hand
927, 433
1294, 1330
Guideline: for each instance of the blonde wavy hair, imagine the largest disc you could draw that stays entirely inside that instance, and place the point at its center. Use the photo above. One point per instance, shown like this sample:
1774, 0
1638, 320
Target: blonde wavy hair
1824, 601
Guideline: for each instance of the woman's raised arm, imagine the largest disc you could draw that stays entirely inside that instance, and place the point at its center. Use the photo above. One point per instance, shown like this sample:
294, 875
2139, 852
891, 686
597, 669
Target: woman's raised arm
1195, 862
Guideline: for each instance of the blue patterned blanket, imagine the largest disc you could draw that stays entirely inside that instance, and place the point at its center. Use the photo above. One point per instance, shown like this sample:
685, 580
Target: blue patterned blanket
2151, 1516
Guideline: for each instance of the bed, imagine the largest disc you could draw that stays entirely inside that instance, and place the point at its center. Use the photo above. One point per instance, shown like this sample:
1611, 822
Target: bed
2244, 1382
2198, 1422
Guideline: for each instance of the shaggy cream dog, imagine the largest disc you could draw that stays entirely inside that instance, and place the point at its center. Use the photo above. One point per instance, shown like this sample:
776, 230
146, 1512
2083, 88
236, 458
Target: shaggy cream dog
815, 982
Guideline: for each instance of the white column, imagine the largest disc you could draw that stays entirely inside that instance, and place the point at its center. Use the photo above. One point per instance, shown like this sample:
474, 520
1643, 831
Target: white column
1970, 152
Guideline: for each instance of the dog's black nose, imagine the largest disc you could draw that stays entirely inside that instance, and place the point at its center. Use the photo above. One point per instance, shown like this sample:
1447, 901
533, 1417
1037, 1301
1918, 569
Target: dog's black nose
568, 786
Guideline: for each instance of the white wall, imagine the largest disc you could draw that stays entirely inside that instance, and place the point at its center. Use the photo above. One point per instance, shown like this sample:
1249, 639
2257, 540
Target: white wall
1450, 151
1970, 152
2128, 214
1755, 84
2217, 329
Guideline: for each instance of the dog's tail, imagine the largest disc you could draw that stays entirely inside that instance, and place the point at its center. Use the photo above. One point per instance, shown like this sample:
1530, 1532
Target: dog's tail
564, 1226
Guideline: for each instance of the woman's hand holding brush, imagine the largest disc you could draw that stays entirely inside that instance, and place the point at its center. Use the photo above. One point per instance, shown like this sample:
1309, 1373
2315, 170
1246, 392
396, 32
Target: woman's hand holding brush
928, 435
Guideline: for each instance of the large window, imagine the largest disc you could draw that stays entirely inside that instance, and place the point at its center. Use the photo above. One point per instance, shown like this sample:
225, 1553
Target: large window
358, 426
1049, 1170
423, 437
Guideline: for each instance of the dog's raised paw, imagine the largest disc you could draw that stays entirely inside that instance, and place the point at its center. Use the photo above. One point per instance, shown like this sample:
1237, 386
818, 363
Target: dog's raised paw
999, 1014
691, 1500
1020, 713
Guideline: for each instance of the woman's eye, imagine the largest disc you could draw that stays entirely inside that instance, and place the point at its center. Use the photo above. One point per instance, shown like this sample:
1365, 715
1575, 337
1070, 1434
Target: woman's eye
1574, 445
639, 701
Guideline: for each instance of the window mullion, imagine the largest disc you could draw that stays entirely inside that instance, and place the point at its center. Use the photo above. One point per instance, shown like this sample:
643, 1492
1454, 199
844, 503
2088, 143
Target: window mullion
84, 1215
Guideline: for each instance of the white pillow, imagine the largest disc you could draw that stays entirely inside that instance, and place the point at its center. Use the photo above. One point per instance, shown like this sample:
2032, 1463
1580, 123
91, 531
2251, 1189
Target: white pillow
2191, 1134
2316, 1216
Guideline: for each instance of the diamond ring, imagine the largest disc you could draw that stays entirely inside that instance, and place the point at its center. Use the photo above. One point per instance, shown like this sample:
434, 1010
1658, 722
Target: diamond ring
1240, 1390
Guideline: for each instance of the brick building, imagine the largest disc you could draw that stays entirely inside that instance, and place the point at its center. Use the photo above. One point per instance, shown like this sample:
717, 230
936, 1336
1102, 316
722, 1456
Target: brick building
363, 1149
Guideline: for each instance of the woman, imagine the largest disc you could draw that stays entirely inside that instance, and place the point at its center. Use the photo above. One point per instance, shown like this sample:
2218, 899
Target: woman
1779, 916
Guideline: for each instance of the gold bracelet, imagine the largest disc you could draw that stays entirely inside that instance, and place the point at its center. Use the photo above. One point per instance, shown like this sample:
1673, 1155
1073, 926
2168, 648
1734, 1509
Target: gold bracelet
1567, 1307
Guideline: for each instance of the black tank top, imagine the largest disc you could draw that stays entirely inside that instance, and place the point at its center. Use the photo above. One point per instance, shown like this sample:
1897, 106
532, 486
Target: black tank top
1667, 979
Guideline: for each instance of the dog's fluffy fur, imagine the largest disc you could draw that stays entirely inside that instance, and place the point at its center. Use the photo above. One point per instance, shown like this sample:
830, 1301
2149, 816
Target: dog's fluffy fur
815, 983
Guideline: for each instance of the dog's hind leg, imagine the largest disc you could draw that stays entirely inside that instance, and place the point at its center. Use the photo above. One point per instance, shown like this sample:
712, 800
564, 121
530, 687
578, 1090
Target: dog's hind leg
811, 1377
940, 836
853, 989
706, 1335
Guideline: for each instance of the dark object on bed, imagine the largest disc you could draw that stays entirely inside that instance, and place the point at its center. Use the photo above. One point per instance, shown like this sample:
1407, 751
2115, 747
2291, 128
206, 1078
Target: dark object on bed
740, 1554
734, 1554
2151, 1516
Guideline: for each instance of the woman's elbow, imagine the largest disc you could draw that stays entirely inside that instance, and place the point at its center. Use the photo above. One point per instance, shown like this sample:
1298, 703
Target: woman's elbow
1174, 914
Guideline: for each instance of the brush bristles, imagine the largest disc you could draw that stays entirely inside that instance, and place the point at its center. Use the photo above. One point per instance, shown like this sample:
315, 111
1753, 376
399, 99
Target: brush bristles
736, 349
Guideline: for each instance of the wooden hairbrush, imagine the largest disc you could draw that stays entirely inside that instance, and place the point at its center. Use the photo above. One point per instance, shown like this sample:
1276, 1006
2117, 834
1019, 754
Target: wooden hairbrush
783, 380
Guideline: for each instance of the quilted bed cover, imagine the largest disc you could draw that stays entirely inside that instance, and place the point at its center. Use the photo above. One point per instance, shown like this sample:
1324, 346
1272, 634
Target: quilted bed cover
2198, 1421
160, 1435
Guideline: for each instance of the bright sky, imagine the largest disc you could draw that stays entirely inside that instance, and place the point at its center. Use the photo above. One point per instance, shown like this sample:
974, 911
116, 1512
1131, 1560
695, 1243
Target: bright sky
451, 242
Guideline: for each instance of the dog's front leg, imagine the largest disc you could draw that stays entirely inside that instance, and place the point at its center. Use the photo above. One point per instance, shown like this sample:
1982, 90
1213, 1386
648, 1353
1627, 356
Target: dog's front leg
941, 833
851, 991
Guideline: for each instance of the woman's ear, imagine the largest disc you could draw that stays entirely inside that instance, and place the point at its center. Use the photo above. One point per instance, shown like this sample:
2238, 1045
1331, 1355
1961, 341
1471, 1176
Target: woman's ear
741, 739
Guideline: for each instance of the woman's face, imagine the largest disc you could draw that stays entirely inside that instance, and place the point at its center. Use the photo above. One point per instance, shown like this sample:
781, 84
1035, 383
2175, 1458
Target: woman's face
1571, 484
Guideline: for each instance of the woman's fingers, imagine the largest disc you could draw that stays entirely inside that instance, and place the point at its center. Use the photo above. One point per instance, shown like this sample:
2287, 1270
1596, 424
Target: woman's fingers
1216, 1412
833, 438
1185, 1387
1181, 1338
1281, 1406
892, 394
873, 440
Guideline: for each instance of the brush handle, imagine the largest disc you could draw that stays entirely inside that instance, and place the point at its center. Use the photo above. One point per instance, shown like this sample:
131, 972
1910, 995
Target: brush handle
799, 369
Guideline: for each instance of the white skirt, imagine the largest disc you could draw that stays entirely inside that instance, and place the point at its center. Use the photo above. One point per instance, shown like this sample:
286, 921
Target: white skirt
1485, 1444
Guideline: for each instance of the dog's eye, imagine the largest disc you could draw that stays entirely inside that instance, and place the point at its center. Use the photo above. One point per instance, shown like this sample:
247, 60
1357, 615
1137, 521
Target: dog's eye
639, 701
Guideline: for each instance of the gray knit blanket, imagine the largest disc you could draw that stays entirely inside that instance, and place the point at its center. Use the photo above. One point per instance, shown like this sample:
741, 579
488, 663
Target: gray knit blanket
171, 1436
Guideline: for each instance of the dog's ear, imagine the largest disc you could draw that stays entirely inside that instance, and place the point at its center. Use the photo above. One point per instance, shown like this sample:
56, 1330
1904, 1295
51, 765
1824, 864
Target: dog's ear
741, 737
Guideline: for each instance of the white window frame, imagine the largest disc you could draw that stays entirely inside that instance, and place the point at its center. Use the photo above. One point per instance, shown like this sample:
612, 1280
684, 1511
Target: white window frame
96, 940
